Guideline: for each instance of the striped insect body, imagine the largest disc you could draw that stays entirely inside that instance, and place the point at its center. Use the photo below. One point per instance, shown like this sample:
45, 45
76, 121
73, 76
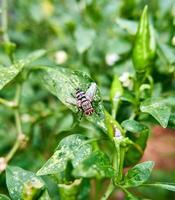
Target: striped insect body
84, 100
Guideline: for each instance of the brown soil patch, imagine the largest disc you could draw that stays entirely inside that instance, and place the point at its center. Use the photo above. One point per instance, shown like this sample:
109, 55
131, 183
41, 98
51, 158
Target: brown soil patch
161, 148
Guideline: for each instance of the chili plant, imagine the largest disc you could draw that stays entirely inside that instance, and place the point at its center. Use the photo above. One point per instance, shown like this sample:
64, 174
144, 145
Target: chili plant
92, 151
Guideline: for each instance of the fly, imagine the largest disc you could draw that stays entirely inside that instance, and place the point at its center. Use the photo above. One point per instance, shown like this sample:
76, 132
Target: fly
84, 100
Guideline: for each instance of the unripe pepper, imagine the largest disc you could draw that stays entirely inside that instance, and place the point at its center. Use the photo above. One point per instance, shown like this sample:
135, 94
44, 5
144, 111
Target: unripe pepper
144, 46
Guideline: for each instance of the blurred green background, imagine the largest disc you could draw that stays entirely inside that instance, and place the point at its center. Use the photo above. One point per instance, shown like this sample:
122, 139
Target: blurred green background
87, 35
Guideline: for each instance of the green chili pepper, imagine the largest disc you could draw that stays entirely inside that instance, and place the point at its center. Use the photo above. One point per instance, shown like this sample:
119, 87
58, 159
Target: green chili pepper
144, 46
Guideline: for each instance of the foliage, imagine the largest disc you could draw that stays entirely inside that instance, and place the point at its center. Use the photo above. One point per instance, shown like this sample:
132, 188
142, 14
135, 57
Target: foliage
50, 149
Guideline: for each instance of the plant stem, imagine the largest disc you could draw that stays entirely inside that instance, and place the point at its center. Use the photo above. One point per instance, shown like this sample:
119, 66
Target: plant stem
4, 21
10, 104
20, 136
108, 192
122, 155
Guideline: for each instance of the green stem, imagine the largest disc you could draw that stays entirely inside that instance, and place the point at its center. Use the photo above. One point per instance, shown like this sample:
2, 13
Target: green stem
4, 21
20, 136
108, 192
122, 155
10, 104
124, 190
115, 109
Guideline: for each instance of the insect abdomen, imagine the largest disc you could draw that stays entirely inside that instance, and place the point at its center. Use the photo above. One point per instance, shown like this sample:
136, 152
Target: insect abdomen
84, 103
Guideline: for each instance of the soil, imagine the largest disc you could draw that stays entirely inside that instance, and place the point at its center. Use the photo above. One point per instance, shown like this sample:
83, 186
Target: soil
161, 148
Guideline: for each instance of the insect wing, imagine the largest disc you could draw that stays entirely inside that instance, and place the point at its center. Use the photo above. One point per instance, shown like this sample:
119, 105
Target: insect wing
90, 93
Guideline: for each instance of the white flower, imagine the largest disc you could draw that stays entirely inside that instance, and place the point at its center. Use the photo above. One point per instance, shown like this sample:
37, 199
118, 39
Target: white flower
111, 58
61, 57
126, 80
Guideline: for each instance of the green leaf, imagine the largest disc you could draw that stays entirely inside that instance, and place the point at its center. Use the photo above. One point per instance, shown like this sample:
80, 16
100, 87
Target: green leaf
167, 186
72, 148
128, 25
144, 46
97, 165
167, 53
63, 83
171, 122
70, 192
158, 109
7, 74
138, 133
23, 184
4, 197
45, 196
134, 126
139, 174
84, 38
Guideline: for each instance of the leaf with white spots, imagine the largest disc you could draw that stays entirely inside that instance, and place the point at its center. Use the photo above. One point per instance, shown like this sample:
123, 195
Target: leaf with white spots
63, 82
96, 165
7, 74
4, 197
23, 184
158, 109
72, 148
139, 174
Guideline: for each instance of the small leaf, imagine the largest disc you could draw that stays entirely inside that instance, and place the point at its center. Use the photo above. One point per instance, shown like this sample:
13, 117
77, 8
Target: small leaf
97, 165
4, 197
166, 53
72, 148
63, 83
45, 196
134, 126
167, 186
84, 38
23, 184
139, 174
7, 74
128, 25
158, 109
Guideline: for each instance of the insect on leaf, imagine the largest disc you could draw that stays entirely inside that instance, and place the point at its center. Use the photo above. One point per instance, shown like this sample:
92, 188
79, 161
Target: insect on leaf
63, 82
91, 91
